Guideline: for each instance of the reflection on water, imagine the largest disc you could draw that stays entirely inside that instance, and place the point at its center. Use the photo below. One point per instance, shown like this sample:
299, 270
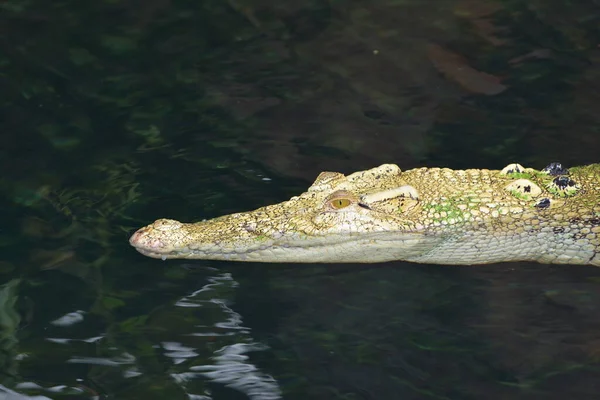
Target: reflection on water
117, 113
231, 369
229, 365
209, 346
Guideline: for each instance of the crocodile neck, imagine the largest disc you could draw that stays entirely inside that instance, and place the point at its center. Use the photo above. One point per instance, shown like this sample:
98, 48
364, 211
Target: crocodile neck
424, 215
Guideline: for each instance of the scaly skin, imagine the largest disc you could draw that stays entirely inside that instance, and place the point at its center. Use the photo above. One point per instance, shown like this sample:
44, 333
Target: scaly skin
424, 215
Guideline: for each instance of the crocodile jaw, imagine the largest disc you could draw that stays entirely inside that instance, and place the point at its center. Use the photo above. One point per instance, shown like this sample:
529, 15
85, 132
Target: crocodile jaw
166, 239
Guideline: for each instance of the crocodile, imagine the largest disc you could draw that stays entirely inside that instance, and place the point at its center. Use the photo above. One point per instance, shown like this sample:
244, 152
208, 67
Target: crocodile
422, 215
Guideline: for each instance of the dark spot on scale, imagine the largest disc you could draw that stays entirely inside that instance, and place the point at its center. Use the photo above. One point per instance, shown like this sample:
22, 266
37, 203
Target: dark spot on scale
595, 221
543, 203
558, 230
527, 189
555, 169
563, 182
377, 176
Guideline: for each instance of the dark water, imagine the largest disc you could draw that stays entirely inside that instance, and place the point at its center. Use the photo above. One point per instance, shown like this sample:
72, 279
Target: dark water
115, 113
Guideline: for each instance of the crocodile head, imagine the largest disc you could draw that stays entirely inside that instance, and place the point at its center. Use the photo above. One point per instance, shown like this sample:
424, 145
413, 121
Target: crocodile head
363, 217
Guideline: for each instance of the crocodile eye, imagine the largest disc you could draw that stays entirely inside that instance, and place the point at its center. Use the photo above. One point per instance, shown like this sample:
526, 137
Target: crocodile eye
340, 203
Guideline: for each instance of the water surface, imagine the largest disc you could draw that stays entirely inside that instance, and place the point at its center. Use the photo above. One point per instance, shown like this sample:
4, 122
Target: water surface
117, 113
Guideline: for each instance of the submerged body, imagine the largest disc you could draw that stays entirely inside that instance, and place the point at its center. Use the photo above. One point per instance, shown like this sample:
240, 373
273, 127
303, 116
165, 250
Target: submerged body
424, 215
